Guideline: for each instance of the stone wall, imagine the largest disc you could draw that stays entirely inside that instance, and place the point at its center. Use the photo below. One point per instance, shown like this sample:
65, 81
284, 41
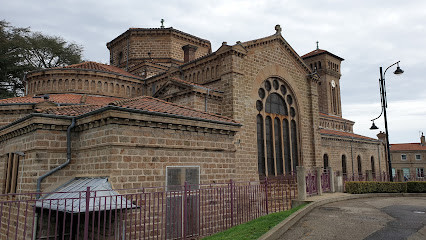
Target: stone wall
13, 112
336, 147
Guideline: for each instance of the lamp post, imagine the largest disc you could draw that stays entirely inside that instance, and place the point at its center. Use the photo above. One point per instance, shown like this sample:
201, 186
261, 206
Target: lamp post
384, 106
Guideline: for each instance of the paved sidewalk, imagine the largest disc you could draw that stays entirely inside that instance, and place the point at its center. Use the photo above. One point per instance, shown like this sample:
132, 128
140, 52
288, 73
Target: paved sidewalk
364, 216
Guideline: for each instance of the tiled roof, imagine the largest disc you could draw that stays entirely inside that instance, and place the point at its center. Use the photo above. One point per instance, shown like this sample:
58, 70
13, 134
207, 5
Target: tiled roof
331, 116
101, 67
67, 98
151, 104
318, 52
169, 29
73, 110
407, 147
192, 84
344, 134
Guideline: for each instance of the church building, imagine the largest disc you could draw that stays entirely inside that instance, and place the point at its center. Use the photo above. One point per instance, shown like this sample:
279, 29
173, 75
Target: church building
169, 110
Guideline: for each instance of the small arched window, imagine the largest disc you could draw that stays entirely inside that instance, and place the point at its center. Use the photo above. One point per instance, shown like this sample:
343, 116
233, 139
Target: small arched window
359, 165
325, 159
344, 168
373, 169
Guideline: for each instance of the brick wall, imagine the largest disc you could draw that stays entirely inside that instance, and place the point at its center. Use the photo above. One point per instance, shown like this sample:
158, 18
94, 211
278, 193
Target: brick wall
132, 153
242, 77
90, 82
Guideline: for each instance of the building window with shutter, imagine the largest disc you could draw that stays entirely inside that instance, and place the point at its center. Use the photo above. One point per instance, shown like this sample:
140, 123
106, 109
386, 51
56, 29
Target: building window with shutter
11, 173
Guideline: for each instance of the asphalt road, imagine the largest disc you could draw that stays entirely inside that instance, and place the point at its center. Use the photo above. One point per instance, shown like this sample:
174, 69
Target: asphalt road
367, 218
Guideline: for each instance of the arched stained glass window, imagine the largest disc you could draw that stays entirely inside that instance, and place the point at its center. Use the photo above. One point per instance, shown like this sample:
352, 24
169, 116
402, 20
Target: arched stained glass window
276, 104
277, 134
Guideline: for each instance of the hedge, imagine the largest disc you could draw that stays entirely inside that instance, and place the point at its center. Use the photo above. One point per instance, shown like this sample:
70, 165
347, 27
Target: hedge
376, 187
416, 187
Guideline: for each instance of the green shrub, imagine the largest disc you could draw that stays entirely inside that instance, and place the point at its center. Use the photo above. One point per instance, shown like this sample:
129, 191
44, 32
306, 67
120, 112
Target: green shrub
375, 187
416, 187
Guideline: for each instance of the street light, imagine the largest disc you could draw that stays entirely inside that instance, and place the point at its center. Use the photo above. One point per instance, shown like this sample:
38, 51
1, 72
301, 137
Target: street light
384, 106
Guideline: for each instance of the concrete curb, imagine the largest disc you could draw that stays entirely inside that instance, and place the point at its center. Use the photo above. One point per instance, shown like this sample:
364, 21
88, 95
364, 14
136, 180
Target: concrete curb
283, 226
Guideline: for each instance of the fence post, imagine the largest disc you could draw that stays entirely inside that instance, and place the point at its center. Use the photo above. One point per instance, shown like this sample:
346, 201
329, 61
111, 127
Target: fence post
86, 220
266, 194
369, 175
332, 186
185, 210
319, 172
232, 202
301, 183
400, 175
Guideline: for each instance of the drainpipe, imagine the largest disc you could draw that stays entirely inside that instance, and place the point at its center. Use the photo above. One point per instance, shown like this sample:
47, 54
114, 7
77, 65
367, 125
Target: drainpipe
40, 179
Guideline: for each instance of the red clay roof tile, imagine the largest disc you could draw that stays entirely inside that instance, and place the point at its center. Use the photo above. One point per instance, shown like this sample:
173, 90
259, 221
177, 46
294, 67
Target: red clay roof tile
331, 116
407, 147
66, 98
156, 105
192, 84
344, 134
74, 110
101, 67
318, 52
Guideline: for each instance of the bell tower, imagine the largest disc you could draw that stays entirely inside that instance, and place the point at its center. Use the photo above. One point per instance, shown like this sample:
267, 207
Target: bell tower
327, 65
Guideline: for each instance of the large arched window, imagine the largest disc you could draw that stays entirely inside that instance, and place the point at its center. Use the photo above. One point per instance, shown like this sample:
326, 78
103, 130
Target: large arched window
277, 136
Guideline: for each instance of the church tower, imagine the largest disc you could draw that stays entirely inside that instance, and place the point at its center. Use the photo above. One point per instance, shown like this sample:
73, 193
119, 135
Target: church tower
327, 65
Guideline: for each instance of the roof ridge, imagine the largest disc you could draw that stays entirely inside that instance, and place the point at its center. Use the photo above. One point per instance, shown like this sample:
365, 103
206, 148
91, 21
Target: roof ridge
71, 106
191, 83
348, 133
188, 108
91, 65
123, 101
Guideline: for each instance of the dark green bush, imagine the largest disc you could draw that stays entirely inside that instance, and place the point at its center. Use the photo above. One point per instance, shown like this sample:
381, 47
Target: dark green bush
375, 187
416, 187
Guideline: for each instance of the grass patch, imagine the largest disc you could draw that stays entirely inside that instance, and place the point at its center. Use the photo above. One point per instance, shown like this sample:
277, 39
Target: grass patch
255, 228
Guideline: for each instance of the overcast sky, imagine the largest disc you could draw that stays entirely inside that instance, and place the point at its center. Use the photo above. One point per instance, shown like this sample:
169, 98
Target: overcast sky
367, 34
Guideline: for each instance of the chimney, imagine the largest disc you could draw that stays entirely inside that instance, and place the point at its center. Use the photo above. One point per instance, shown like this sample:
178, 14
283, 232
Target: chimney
422, 140
381, 136
189, 53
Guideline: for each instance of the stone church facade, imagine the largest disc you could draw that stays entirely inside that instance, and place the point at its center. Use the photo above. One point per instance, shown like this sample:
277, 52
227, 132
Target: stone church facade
168, 103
